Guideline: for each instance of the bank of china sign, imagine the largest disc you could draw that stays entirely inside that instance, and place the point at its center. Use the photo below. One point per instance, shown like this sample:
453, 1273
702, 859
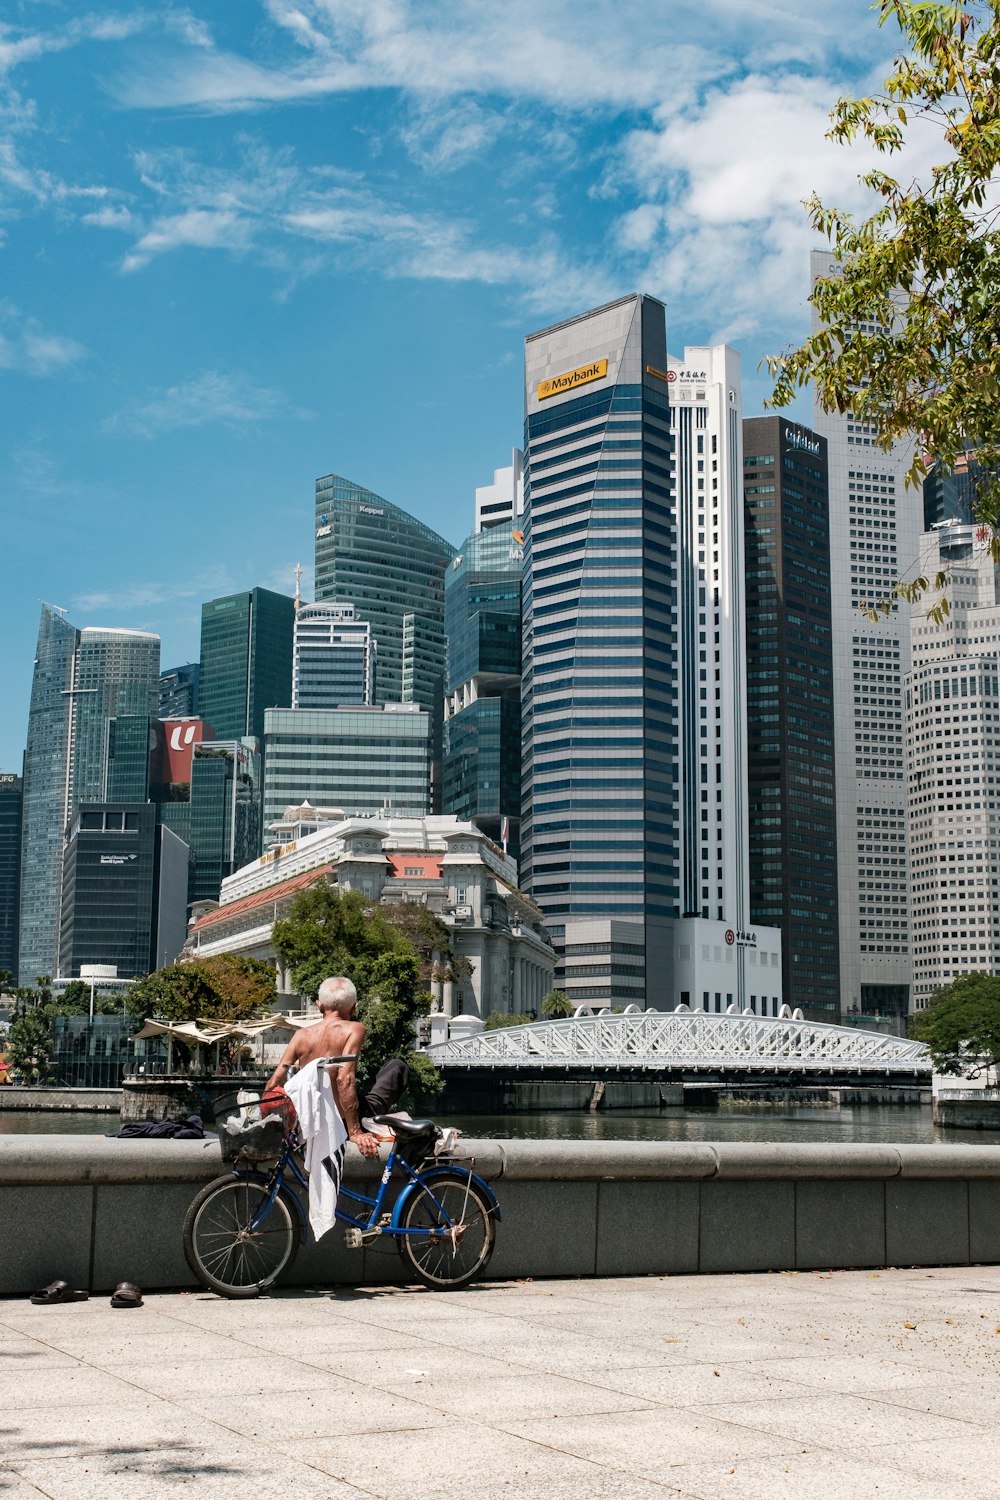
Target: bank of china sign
557, 385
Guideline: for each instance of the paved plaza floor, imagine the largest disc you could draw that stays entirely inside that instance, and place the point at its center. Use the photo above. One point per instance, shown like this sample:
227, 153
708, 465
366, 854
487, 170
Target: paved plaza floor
823, 1386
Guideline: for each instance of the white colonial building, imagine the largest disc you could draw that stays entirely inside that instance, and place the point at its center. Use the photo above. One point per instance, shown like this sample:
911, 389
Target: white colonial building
440, 863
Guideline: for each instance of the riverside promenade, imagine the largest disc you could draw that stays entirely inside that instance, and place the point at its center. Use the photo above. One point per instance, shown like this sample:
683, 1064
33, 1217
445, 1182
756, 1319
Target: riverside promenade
822, 1385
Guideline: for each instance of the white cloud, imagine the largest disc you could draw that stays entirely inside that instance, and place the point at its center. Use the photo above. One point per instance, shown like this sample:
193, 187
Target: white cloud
26, 347
117, 598
208, 398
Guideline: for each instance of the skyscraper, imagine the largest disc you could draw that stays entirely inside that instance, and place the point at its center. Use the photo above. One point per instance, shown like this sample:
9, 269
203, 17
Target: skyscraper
360, 759
875, 526
793, 821
246, 661
481, 776
375, 556
952, 708
10, 867
599, 835
333, 658
634, 813
179, 691
502, 502
82, 679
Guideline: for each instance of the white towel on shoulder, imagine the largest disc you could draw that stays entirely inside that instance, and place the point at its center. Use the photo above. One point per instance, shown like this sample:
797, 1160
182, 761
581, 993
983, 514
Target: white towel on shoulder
325, 1136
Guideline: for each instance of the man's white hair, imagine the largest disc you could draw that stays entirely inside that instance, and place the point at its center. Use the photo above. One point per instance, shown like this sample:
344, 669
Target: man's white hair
336, 994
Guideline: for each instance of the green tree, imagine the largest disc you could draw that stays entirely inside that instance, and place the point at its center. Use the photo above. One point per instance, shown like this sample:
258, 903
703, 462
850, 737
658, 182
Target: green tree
557, 1004
28, 1046
339, 932
961, 1025
6, 980
498, 1019
227, 987
908, 340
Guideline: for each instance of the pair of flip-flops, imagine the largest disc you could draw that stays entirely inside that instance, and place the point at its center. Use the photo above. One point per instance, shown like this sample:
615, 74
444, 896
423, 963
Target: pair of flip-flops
126, 1294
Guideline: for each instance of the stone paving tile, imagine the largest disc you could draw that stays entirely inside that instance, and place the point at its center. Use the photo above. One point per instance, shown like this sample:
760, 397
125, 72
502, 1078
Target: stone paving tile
698, 1385
948, 1462
177, 1379
76, 1431
293, 1422
470, 1461
968, 1401
846, 1374
34, 1389
654, 1444
211, 1474
828, 1476
845, 1423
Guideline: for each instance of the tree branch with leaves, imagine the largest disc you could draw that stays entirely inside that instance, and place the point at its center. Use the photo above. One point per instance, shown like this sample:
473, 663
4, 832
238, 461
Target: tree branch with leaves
909, 340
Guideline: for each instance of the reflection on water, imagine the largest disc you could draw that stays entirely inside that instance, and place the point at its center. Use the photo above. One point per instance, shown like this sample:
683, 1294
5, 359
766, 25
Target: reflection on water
900, 1124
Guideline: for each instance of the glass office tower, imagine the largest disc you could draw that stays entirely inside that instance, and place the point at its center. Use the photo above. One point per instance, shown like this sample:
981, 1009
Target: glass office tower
334, 657
793, 815
82, 679
246, 661
11, 797
482, 730
358, 759
599, 832
179, 691
387, 564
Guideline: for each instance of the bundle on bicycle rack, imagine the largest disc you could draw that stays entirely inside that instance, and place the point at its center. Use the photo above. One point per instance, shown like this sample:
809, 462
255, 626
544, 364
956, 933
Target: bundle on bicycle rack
252, 1126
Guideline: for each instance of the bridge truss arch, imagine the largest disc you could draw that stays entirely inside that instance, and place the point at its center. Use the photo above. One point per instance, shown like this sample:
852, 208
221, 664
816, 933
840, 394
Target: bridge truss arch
686, 1043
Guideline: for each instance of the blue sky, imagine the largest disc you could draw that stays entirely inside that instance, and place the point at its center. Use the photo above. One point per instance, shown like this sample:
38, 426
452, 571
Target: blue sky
246, 244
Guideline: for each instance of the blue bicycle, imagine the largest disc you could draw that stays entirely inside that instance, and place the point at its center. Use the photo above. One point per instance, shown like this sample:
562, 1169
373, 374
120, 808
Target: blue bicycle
243, 1231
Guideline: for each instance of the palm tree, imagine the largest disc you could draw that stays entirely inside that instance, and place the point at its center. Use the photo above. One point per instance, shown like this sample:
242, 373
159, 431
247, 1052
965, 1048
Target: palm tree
557, 1004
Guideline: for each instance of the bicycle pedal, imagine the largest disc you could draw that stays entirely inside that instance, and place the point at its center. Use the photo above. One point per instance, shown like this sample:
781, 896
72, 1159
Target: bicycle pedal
353, 1239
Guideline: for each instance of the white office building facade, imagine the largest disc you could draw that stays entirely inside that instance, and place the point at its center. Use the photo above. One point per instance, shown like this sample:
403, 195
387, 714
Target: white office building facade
875, 528
952, 698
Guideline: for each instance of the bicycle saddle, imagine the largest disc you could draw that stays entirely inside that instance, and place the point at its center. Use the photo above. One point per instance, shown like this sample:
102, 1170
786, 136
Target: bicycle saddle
405, 1127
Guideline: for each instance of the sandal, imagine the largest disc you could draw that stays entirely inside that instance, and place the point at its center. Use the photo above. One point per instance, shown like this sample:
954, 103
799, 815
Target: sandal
126, 1294
57, 1291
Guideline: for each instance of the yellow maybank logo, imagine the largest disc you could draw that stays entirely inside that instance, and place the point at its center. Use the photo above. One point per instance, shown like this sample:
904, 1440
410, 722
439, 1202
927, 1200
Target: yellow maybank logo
557, 384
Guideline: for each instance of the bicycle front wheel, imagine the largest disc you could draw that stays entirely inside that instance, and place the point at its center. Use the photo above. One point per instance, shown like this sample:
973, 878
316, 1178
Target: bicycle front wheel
453, 1203
226, 1254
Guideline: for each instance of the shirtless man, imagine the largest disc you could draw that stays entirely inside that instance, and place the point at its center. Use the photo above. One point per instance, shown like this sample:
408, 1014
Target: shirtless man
335, 1036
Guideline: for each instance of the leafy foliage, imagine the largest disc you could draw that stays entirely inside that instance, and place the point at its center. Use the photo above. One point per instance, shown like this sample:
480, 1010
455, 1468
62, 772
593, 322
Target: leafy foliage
28, 1046
908, 340
497, 1019
226, 987
557, 1004
961, 1025
338, 932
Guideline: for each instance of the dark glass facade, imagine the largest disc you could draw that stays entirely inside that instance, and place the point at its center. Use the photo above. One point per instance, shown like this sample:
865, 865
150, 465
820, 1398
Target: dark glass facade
599, 831
220, 822
482, 735
357, 759
10, 867
46, 795
246, 661
91, 1054
117, 672
178, 692
793, 860
375, 556
128, 758
113, 908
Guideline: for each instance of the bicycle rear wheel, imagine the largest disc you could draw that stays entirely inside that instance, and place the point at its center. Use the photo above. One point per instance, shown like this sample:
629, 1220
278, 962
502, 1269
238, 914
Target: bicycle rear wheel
225, 1254
453, 1202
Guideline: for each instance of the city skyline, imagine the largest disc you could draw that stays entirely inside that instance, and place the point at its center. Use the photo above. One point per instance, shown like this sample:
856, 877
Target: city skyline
230, 239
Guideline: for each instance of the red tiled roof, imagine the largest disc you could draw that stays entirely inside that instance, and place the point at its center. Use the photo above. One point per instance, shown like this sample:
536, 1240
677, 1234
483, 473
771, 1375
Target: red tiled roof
430, 864
263, 898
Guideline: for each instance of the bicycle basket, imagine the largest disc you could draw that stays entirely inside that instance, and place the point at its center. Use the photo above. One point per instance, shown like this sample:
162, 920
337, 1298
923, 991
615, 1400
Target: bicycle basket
248, 1135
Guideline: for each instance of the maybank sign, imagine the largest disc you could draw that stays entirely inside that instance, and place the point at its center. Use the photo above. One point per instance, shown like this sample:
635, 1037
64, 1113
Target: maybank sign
556, 385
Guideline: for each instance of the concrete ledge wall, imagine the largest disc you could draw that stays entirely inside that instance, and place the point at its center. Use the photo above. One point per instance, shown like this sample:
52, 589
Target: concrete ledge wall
95, 1211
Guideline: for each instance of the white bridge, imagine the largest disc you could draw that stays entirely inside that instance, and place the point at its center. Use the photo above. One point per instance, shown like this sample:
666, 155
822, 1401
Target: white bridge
687, 1044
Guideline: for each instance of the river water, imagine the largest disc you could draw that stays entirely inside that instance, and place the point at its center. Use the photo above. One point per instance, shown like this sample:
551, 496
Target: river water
890, 1125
